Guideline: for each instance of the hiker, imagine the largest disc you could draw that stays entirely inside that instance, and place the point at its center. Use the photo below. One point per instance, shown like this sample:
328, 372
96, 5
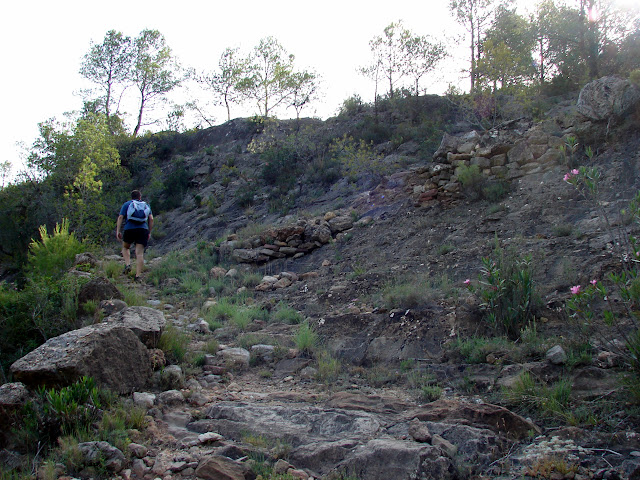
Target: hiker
138, 222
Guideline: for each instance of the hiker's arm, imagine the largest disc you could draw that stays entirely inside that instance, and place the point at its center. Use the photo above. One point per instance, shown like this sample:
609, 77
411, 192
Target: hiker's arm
150, 222
118, 225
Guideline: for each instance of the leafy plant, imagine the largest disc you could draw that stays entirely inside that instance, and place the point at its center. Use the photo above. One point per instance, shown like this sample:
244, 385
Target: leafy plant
53, 254
506, 291
286, 314
174, 343
306, 339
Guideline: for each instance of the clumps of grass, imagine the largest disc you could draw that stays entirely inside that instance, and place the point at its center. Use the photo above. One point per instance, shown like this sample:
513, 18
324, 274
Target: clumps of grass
90, 307
133, 298
248, 340
549, 466
211, 347
476, 349
286, 314
329, 367
430, 393
445, 248
380, 375
235, 314
174, 343
563, 230
112, 269
552, 402
416, 291
306, 339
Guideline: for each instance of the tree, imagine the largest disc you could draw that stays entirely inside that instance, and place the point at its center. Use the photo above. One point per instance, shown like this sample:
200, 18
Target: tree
474, 15
226, 82
5, 170
269, 79
154, 70
389, 55
304, 89
507, 49
108, 65
423, 56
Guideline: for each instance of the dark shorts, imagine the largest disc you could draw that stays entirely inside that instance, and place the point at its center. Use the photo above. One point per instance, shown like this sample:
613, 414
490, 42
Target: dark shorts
136, 235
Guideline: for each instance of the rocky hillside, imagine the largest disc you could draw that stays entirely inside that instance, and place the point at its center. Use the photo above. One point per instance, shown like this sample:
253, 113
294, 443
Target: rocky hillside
366, 354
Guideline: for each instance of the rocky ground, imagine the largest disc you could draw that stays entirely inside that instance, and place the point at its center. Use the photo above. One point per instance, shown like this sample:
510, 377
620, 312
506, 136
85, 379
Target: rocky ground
403, 399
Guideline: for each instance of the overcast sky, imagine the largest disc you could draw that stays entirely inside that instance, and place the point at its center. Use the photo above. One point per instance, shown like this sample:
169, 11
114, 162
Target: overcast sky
43, 43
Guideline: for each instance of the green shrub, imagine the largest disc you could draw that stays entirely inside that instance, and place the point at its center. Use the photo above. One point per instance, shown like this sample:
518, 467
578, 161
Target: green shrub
496, 190
553, 402
55, 253
506, 290
475, 349
112, 269
471, 179
174, 343
286, 314
430, 393
306, 339
329, 367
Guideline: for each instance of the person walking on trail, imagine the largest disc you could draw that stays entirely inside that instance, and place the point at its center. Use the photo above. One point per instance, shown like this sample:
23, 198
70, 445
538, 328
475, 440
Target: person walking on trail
134, 227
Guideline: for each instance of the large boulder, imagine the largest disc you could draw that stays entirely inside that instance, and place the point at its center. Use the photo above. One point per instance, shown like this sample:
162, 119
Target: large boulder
12, 398
112, 354
98, 289
147, 323
607, 97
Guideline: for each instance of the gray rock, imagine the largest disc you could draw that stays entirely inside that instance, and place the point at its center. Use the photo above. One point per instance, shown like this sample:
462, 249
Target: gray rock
607, 97
217, 467
419, 431
382, 459
144, 399
556, 355
98, 289
317, 233
300, 425
137, 450
340, 224
112, 354
238, 357
171, 377
147, 323
102, 453
171, 397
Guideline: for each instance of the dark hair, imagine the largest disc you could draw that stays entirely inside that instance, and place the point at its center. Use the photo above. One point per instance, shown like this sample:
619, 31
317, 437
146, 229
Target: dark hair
136, 195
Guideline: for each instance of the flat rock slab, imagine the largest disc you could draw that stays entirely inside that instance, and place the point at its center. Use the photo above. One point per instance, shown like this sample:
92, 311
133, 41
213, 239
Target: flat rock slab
496, 418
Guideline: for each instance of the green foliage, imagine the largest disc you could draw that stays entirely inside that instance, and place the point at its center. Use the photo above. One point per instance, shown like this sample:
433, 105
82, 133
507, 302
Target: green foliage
357, 157
53, 254
306, 339
430, 393
415, 291
531, 396
329, 367
286, 314
174, 343
506, 291
476, 349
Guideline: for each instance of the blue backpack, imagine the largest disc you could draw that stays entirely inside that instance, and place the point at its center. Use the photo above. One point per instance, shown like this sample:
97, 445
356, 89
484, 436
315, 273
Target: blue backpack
138, 211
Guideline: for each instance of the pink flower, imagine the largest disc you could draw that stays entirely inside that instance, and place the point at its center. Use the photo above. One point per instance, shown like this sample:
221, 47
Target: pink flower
594, 282
467, 282
575, 171
567, 176
575, 290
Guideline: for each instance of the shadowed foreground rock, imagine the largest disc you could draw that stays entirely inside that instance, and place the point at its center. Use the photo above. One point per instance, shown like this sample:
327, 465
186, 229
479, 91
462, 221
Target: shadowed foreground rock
112, 352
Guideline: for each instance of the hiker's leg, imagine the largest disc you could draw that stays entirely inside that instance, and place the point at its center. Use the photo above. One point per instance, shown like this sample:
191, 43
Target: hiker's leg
126, 253
139, 258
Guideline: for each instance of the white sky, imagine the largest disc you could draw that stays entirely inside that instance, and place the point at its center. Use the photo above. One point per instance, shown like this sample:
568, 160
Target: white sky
43, 43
